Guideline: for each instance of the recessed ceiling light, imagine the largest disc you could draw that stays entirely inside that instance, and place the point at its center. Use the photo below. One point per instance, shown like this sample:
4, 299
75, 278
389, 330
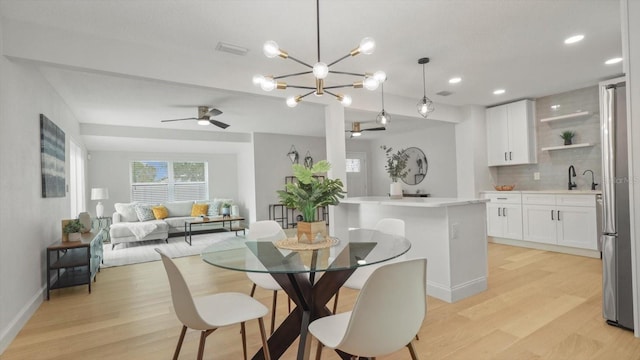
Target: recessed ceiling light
573, 39
613, 61
498, 92
555, 107
455, 80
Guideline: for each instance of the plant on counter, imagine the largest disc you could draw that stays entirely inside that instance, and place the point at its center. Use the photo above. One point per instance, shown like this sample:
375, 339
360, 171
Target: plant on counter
73, 226
567, 136
309, 193
396, 165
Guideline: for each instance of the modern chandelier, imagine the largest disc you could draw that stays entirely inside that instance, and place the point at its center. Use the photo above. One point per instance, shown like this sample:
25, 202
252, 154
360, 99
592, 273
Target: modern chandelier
425, 105
320, 70
383, 118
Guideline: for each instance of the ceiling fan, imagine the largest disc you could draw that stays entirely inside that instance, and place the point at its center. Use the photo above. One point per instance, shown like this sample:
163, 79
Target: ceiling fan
356, 130
204, 117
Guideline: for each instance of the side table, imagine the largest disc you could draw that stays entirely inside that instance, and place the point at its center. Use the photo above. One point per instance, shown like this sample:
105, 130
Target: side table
100, 223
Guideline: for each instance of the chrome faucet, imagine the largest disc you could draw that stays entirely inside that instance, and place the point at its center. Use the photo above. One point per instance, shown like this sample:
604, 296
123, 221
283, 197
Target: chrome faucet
572, 173
593, 182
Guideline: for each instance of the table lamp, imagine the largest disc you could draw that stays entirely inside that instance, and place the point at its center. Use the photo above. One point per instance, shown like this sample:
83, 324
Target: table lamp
99, 194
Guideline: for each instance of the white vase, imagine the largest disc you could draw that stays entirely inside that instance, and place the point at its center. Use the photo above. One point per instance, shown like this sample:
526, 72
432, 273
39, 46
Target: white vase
395, 190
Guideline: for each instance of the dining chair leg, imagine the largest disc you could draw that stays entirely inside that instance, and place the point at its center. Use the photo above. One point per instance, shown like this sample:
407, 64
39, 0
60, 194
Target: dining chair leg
253, 290
177, 352
263, 336
203, 338
412, 351
335, 301
319, 350
243, 332
273, 310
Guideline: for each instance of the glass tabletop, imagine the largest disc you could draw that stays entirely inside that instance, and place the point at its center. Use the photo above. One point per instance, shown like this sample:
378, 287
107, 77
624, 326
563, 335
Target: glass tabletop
362, 247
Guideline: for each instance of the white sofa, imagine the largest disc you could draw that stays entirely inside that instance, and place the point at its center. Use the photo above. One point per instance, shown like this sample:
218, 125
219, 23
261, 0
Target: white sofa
132, 221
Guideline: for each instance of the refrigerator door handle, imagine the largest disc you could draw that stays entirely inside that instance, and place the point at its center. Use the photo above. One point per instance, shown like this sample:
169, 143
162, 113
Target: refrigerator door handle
609, 276
608, 130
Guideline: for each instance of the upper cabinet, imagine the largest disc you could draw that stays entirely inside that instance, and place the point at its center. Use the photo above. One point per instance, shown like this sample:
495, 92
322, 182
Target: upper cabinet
511, 137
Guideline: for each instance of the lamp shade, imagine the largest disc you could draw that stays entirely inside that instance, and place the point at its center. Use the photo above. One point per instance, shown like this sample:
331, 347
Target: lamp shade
99, 194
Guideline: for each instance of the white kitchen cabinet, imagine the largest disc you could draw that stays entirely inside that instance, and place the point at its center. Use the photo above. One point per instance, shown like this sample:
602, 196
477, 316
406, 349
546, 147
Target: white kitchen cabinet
504, 216
565, 220
511, 133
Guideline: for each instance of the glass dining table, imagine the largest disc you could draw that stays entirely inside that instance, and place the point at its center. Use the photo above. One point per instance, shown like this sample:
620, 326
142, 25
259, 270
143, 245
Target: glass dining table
310, 277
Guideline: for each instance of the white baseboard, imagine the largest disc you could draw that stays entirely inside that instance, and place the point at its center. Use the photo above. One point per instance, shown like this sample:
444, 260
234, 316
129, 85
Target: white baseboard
546, 247
458, 292
17, 323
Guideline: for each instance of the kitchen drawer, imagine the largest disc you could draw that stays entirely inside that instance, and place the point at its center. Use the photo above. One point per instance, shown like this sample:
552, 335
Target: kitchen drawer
504, 198
539, 199
576, 200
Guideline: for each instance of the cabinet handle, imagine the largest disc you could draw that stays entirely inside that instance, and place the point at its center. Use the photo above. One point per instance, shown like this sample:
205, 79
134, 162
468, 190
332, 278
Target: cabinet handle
558, 215
504, 211
499, 212
509, 155
552, 215
501, 198
505, 156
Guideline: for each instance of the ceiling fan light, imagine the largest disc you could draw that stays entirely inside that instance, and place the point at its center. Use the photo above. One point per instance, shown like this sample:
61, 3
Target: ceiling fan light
320, 70
271, 49
367, 46
380, 75
203, 122
425, 107
356, 134
371, 83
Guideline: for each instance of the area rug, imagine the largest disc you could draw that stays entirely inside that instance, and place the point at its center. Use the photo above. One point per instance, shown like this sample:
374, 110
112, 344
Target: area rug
144, 251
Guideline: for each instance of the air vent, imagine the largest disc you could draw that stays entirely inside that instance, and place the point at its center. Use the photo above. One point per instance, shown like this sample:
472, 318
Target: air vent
232, 49
444, 93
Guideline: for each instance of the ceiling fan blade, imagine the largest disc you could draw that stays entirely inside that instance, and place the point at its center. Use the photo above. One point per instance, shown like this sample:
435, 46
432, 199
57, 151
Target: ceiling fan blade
219, 124
214, 112
375, 129
191, 118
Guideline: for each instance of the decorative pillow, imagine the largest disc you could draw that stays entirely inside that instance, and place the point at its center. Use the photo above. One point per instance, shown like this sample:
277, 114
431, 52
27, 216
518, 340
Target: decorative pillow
199, 209
145, 213
127, 211
160, 212
179, 208
218, 204
214, 208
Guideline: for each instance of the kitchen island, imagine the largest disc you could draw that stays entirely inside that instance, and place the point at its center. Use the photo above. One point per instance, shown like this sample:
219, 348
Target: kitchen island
449, 232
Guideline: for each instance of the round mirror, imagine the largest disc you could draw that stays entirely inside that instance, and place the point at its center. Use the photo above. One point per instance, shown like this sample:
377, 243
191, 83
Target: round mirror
417, 165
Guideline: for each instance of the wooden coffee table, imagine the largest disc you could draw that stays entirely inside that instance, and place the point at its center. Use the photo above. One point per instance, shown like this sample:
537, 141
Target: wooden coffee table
188, 225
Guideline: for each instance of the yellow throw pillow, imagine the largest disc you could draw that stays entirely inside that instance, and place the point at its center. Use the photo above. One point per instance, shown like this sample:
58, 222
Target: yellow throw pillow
199, 209
160, 212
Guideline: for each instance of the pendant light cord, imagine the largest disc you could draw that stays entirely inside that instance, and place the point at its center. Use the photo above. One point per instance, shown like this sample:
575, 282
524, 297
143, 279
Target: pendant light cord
382, 86
318, 25
424, 82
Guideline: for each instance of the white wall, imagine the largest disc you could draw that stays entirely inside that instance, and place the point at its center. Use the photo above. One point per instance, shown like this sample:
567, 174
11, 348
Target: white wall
471, 153
28, 222
272, 164
111, 169
438, 143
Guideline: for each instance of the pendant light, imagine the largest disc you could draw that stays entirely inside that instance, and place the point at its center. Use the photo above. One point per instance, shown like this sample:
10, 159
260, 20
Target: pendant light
425, 105
383, 118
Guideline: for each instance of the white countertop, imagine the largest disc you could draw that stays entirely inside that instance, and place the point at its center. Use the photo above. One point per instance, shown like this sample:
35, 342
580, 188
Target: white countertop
563, 192
412, 201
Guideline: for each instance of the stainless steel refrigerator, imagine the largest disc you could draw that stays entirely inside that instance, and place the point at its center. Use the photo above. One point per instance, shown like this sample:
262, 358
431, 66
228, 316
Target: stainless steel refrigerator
615, 241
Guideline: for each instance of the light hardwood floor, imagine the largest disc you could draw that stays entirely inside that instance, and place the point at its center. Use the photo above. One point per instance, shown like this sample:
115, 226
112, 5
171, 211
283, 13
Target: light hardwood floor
539, 305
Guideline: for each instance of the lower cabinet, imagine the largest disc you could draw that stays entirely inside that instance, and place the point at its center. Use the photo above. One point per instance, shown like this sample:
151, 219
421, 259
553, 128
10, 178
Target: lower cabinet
546, 219
504, 220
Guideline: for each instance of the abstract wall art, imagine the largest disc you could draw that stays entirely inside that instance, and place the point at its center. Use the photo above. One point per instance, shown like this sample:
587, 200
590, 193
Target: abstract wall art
52, 153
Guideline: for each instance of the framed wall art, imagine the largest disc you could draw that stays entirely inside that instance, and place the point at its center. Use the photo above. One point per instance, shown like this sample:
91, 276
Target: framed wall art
52, 158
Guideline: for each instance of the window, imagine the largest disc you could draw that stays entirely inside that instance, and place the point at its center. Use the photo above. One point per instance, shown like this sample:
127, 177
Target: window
76, 180
154, 182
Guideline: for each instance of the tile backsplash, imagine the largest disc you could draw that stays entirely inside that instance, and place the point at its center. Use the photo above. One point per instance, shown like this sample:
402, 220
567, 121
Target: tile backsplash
553, 165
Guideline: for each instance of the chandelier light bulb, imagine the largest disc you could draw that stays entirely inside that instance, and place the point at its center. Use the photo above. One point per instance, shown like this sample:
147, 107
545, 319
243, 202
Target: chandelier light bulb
268, 84
271, 49
380, 75
257, 80
367, 46
292, 101
203, 122
345, 100
371, 83
320, 70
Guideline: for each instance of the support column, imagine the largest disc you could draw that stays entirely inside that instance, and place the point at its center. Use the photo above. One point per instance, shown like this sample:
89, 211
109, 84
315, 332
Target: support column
336, 155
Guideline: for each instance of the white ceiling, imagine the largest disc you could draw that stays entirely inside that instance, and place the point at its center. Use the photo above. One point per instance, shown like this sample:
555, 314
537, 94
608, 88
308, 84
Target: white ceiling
516, 45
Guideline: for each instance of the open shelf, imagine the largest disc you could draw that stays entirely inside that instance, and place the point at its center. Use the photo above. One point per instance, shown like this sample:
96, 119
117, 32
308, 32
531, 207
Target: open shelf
566, 117
566, 147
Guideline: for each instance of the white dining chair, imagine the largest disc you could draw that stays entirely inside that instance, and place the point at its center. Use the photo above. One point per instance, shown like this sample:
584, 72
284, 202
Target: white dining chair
359, 277
387, 315
209, 312
266, 230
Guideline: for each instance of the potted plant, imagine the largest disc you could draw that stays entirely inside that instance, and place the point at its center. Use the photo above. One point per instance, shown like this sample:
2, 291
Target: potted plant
567, 136
307, 194
71, 230
396, 167
226, 209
